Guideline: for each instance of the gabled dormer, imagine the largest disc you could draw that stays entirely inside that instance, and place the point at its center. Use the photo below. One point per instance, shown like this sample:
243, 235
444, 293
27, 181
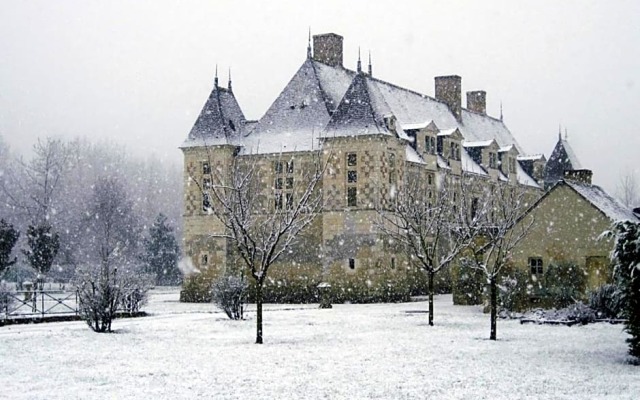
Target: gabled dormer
507, 160
424, 140
449, 146
485, 153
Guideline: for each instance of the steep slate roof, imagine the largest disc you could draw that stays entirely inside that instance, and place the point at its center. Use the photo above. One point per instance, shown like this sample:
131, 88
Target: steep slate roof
286, 126
360, 112
562, 159
221, 120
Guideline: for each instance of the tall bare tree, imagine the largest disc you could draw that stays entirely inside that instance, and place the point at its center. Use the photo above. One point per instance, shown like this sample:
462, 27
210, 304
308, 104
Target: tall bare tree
497, 227
263, 228
628, 189
422, 221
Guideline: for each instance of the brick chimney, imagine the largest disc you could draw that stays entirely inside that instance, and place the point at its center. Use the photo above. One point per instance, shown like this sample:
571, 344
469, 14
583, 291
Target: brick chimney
477, 101
448, 90
327, 48
579, 176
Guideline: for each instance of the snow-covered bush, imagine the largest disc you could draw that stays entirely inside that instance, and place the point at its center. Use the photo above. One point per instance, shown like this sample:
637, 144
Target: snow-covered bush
514, 291
607, 301
564, 283
103, 290
229, 293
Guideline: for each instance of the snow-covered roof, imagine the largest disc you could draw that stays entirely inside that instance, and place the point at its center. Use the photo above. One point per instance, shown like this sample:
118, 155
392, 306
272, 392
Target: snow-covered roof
442, 163
532, 157
609, 206
505, 149
412, 156
419, 125
447, 132
469, 165
481, 143
524, 178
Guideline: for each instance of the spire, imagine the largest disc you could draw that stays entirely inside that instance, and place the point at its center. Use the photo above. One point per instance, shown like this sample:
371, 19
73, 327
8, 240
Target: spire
370, 69
309, 45
215, 80
559, 131
501, 117
359, 62
229, 85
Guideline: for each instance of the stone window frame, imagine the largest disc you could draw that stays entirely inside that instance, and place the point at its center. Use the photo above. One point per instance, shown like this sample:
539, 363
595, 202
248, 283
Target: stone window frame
536, 266
351, 179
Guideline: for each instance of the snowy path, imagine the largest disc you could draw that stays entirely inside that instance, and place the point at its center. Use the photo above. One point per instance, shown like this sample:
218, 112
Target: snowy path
186, 351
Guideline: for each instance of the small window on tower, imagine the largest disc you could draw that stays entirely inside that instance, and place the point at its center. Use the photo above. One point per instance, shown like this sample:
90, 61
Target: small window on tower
352, 197
289, 183
290, 167
277, 166
352, 263
205, 259
352, 176
206, 168
278, 183
352, 159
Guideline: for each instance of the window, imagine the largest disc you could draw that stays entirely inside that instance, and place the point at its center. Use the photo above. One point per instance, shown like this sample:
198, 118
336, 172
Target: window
492, 160
393, 263
474, 207
290, 167
392, 168
278, 183
430, 179
352, 160
206, 184
289, 197
512, 165
277, 167
352, 196
289, 183
352, 263
278, 201
536, 265
352, 176
206, 168
430, 144
206, 202
205, 259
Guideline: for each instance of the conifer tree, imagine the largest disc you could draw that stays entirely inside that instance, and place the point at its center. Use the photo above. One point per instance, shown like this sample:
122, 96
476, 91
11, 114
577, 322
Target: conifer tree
8, 238
162, 252
43, 247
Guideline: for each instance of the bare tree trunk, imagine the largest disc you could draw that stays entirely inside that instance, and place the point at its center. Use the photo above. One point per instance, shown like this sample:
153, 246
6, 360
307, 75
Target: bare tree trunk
259, 312
431, 273
493, 306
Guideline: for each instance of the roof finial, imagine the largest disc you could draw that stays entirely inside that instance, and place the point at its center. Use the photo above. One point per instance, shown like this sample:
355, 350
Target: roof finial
559, 131
501, 110
215, 80
370, 68
359, 62
309, 45
229, 85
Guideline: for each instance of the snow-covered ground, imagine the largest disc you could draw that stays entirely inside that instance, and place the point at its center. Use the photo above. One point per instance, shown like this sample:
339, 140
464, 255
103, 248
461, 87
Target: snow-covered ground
187, 351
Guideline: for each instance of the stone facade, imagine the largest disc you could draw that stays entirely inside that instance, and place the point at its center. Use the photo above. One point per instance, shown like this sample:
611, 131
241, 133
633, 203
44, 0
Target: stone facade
373, 136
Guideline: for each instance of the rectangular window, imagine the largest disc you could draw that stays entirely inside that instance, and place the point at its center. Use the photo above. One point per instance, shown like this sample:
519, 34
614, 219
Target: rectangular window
492, 160
430, 179
206, 202
393, 263
278, 201
206, 168
352, 197
289, 198
352, 176
277, 167
289, 183
290, 167
535, 263
427, 144
352, 263
206, 184
352, 159
474, 207
205, 259
278, 183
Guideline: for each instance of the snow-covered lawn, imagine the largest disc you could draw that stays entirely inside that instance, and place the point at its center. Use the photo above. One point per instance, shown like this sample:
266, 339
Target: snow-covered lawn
186, 351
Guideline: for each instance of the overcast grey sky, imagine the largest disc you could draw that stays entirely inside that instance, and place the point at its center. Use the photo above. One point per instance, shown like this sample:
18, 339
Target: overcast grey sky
139, 72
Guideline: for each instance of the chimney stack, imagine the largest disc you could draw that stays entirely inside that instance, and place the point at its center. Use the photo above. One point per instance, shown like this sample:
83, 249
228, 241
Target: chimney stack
477, 101
327, 48
448, 91
579, 176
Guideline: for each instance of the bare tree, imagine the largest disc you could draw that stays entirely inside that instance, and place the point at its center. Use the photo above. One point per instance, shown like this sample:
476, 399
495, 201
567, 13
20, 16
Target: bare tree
497, 226
110, 276
628, 189
421, 220
260, 230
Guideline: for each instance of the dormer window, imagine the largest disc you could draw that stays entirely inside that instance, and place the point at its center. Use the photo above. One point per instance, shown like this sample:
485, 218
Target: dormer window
454, 150
430, 145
